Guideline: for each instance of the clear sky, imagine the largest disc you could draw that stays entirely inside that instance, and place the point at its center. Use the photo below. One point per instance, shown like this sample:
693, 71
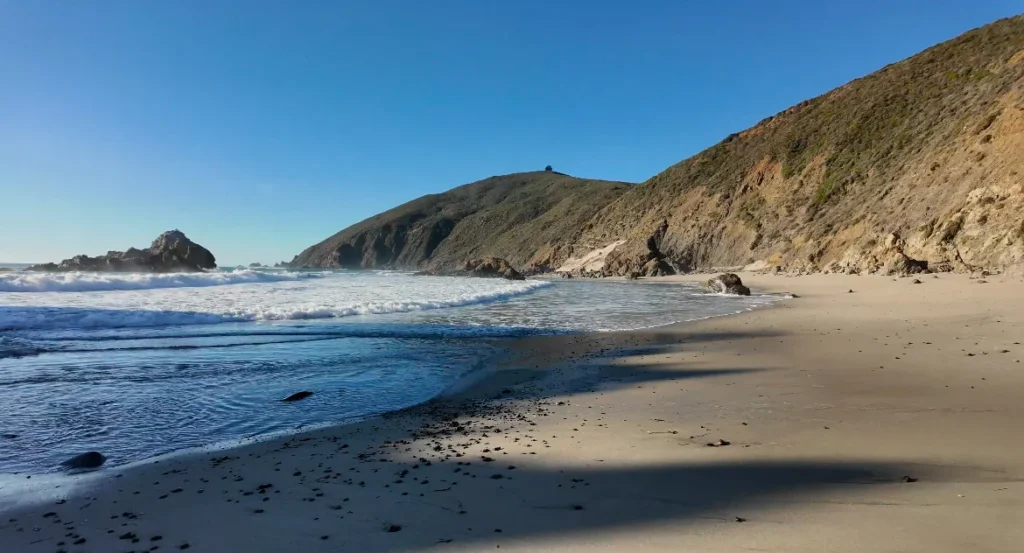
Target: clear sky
260, 128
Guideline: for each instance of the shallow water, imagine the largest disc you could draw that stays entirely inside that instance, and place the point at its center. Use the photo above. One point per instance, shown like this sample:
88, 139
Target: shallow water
136, 366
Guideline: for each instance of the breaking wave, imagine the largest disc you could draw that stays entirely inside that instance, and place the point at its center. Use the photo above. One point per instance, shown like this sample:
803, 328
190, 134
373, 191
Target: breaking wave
61, 317
108, 282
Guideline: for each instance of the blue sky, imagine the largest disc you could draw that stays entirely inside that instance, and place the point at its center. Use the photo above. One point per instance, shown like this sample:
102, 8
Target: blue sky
260, 128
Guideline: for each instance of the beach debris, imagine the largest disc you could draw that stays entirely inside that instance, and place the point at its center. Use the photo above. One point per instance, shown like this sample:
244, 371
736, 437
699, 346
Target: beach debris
298, 395
719, 443
87, 460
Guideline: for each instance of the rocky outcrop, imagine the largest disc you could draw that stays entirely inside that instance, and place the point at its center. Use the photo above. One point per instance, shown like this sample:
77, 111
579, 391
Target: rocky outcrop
727, 283
487, 267
492, 267
171, 252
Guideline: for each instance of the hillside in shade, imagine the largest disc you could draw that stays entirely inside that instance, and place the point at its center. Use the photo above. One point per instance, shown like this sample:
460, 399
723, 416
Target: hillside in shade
526, 218
918, 165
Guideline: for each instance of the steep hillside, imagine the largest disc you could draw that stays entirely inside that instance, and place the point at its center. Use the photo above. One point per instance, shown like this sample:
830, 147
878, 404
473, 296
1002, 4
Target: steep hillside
524, 218
918, 165
924, 158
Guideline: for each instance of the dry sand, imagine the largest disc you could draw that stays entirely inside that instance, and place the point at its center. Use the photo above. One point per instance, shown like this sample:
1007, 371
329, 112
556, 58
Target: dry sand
599, 443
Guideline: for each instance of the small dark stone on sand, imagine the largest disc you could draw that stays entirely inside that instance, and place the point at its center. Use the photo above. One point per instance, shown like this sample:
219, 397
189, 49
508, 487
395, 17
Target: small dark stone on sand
740, 519
324, 537
909, 479
184, 546
392, 528
88, 460
719, 443
127, 536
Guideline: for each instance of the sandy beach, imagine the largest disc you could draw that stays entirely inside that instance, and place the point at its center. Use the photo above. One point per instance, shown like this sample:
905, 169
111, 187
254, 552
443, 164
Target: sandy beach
866, 414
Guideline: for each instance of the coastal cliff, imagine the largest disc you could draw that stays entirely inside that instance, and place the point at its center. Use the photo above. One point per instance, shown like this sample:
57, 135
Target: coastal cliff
525, 218
916, 167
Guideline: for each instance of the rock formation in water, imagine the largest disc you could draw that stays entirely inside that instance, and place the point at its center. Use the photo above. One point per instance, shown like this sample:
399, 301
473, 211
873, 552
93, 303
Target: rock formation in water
171, 252
727, 283
916, 167
87, 460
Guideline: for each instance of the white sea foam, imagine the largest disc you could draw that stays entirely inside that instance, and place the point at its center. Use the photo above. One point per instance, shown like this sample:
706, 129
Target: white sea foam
109, 282
293, 298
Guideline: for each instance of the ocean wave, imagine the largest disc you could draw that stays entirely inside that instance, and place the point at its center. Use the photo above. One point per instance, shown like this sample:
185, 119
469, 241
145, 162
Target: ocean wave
17, 318
109, 282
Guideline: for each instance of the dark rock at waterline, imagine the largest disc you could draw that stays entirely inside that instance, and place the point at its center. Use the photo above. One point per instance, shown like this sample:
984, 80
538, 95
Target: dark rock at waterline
298, 395
727, 283
171, 252
492, 267
486, 267
88, 460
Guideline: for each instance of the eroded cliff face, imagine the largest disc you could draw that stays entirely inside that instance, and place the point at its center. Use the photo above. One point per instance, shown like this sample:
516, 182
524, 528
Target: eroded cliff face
923, 159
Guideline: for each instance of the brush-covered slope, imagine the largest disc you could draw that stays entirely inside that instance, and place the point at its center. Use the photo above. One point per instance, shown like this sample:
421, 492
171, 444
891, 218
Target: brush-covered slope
524, 218
924, 158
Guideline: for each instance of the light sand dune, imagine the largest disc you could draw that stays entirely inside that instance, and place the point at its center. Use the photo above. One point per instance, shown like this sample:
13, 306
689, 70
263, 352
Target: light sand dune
599, 443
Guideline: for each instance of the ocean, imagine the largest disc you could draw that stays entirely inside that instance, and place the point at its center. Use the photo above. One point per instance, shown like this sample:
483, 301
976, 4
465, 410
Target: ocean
139, 365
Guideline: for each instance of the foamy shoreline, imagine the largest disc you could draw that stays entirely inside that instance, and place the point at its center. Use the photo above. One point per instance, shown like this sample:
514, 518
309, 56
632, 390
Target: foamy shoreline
607, 435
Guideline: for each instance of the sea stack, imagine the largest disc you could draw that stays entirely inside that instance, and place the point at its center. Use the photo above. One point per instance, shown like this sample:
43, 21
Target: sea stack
171, 252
